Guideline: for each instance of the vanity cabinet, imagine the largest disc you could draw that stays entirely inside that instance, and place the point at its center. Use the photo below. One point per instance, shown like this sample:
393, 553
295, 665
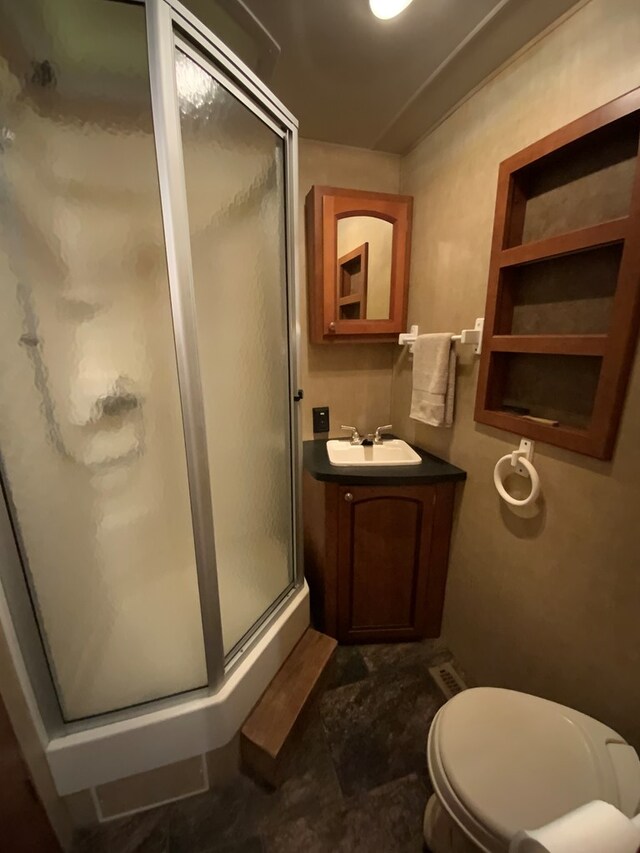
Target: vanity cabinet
376, 554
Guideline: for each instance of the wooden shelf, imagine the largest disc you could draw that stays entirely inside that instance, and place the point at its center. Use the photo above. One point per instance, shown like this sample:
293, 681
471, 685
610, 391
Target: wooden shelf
549, 344
582, 240
352, 299
570, 437
567, 285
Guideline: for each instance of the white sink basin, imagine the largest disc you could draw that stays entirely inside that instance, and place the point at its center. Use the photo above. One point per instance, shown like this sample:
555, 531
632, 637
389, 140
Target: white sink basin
393, 451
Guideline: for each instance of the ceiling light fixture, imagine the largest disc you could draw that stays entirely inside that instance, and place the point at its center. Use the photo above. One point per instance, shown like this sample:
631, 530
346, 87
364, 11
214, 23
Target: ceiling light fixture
386, 9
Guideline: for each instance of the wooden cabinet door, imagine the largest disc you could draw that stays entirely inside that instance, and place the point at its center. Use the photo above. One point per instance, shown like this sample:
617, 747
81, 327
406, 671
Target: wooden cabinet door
384, 545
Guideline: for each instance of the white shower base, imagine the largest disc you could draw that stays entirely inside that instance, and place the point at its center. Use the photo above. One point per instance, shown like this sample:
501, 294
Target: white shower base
193, 727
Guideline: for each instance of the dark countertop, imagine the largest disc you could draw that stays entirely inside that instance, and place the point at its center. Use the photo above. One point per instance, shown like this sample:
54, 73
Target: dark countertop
432, 469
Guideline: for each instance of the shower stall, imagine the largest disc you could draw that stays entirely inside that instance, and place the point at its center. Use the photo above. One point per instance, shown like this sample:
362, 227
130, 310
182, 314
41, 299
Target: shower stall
148, 429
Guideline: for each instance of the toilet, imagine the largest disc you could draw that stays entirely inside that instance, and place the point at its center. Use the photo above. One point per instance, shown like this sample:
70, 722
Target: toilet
501, 761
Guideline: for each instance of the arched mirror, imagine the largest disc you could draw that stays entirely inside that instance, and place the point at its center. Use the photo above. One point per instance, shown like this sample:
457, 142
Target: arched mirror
358, 246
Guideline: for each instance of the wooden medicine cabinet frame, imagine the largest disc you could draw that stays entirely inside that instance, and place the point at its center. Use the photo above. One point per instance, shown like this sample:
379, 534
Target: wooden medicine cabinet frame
559, 244
324, 207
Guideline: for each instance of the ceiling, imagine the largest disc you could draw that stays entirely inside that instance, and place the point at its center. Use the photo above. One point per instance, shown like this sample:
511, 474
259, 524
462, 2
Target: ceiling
354, 79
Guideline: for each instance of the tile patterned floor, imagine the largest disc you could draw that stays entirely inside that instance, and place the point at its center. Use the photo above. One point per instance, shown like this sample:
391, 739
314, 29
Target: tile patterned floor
357, 782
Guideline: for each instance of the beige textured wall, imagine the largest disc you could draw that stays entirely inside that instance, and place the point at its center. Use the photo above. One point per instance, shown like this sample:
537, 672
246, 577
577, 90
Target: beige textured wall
551, 604
354, 380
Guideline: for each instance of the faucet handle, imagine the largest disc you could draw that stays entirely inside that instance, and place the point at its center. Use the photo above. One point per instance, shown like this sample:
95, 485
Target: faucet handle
355, 435
377, 436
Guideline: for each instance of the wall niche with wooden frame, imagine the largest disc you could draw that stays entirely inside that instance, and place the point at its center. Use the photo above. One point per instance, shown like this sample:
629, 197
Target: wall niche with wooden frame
563, 299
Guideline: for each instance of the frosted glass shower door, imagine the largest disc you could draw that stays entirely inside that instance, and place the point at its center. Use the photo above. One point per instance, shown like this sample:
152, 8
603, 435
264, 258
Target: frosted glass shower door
234, 172
91, 434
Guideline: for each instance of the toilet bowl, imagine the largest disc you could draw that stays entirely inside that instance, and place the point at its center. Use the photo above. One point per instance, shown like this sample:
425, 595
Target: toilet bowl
501, 761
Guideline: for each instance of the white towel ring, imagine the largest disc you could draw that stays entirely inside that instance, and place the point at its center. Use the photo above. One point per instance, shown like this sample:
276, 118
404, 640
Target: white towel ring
499, 472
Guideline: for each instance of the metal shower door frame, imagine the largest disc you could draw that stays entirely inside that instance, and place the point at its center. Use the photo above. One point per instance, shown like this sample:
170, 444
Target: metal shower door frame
171, 27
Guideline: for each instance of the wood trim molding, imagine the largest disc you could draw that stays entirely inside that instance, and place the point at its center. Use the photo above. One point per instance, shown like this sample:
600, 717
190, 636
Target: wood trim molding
604, 234
551, 344
619, 108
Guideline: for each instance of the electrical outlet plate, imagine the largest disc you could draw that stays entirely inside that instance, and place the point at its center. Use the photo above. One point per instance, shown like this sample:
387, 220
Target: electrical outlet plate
321, 419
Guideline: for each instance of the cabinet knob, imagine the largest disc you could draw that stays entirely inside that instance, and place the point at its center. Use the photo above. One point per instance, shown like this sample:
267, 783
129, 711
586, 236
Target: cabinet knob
348, 497
332, 326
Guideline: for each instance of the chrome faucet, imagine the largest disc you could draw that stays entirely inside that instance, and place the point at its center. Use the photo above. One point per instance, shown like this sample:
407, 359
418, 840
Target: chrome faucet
371, 437
356, 438
376, 437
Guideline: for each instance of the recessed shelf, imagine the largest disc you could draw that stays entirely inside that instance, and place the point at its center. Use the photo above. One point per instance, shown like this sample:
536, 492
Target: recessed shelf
350, 311
557, 387
578, 185
563, 301
567, 295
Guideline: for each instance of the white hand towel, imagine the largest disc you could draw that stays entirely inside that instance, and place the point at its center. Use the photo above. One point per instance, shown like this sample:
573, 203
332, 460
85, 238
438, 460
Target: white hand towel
434, 379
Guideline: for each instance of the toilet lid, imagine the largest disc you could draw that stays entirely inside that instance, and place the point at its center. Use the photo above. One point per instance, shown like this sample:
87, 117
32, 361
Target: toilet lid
517, 761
